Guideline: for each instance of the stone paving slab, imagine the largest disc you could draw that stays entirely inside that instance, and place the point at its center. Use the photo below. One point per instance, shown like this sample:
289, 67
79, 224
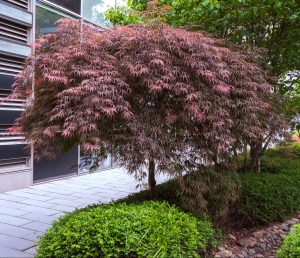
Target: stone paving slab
25, 214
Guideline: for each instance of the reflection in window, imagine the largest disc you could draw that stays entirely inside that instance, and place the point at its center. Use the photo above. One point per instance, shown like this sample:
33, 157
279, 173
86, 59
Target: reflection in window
90, 163
94, 10
72, 5
46, 19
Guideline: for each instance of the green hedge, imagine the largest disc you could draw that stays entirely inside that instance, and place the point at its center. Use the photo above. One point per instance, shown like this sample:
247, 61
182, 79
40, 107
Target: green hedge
265, 197
269, 197
291, 244
151, 229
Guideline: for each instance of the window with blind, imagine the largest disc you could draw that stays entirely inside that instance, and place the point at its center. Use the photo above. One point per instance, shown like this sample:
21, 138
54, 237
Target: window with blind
12, 154
14, 157
20, 3
10, 109
13, 31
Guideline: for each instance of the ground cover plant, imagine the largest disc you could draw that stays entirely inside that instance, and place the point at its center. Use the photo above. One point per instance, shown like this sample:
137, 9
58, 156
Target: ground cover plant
151, 229
291, 244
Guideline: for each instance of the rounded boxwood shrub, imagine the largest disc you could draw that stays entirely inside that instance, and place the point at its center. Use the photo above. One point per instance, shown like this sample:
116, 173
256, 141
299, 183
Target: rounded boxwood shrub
269, 197
291, 244
150, 229
266, 198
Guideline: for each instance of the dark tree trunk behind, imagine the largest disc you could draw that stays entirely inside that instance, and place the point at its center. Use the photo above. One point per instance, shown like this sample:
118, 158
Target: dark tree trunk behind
255, 153
151, 179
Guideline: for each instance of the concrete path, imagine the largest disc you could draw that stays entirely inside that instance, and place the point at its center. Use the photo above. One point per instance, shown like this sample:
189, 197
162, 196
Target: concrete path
25, 214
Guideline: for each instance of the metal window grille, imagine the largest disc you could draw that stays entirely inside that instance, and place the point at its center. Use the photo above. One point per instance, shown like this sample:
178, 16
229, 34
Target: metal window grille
10, 65
20, 3
13, 31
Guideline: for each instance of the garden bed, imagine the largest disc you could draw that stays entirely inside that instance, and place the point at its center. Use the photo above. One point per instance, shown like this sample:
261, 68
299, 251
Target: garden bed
254, 223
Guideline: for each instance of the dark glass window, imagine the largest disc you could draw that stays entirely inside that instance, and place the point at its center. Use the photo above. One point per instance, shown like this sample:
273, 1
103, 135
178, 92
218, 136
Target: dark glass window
72, 5
46, 19
13, 151
13, 156
6, 81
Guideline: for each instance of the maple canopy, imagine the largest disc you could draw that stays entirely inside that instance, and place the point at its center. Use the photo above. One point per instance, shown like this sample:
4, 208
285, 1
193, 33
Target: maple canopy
144, 92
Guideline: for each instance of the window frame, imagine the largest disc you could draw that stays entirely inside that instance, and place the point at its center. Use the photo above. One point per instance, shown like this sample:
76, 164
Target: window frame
64, 10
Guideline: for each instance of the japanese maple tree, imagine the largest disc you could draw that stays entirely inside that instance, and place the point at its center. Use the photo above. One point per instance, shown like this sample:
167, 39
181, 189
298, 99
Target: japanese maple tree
157, 97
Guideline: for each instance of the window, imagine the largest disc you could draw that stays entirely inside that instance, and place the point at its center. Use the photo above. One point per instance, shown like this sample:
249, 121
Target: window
13, 31
13, 157
87, 162
46, 18
94, 10
20, 3
72, 5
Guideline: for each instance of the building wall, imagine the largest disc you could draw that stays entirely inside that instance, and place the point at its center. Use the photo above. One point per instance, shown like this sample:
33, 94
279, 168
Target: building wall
16, 34
15, 180
23, 21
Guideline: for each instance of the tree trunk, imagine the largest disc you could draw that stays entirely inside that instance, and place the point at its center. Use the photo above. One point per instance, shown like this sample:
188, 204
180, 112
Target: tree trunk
255, 154
151, 179
245, 154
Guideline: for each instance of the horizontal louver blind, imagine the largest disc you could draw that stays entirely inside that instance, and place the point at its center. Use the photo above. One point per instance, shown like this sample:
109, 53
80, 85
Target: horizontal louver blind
4, 93
11, 65
5, 132
20, 3
13, 31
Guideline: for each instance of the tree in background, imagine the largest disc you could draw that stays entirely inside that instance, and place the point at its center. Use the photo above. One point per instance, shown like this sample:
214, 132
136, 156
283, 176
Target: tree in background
292, 89
162, 99
273, 25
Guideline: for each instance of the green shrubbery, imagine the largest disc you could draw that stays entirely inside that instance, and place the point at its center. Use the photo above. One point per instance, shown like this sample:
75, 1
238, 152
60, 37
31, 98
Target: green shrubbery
151, 229
208, 193
268, 197
265, 197
291, 245
136, 227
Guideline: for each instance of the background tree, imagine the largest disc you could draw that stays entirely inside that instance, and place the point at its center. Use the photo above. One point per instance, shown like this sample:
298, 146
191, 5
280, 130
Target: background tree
157, 96
273, 25
292, 90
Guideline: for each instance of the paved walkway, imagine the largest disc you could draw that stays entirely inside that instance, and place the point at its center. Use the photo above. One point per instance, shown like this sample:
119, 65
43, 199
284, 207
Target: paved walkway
25, 214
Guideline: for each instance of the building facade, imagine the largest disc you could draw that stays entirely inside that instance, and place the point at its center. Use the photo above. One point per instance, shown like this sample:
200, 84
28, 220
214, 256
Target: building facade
21, 22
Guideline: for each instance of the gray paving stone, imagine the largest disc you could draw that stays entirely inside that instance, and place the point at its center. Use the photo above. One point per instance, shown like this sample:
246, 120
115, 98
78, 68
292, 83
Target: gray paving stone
58, 215
85, 195
8, 197
36, 217
31, 251
30, 196
37, 203
12, 211
15, 243
39, 210
64, 202
33, 236
11, 204
61, 196
37, 226
63, 208
36, 191
8, 253
14, 230
12, 220
59, 191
